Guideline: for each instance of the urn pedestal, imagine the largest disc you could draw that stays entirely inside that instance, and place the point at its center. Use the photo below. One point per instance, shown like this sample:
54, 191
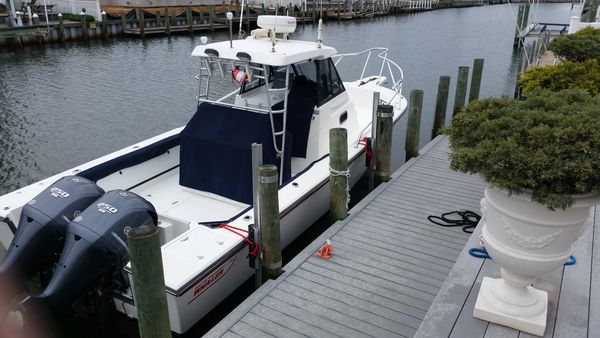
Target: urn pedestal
527, 240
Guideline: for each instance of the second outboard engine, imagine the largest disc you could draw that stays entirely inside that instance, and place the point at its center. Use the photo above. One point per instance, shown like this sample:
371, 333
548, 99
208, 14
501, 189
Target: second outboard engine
94, 247
43, 225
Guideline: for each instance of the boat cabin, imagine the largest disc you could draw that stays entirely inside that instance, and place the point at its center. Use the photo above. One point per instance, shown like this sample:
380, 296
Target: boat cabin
291, 88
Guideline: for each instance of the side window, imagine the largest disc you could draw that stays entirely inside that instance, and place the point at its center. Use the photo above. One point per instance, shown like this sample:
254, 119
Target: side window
307, 69
329, 82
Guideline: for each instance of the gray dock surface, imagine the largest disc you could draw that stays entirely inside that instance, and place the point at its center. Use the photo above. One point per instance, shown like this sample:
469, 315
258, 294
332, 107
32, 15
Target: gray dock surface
573, 301
388, 265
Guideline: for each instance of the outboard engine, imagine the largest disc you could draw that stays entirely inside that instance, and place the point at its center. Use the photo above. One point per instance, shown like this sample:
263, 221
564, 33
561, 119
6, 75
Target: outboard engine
43, 225
94, 247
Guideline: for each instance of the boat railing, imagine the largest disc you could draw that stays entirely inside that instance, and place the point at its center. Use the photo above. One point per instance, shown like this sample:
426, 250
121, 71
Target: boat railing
394, 71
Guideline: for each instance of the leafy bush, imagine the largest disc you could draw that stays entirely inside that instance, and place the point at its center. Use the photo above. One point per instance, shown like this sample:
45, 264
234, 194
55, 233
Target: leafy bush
548, 144
581, 46
564, 75
77, 17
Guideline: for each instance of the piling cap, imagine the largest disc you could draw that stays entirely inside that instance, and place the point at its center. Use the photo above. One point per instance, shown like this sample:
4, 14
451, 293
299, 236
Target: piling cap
60, 15
103, 13
34, 15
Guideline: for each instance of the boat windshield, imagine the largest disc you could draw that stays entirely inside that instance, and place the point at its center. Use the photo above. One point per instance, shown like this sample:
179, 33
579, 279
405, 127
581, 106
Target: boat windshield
321, 74
276, 76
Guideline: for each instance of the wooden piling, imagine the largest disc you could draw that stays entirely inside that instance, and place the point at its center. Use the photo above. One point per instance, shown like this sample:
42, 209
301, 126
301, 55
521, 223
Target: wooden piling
269, 221
158, 21
339, 9
338, 174
414, 124
441, 105
104, 26
123, 22
525, 19
518, 26
383, 131
141, 24
61, 28
247, 19
211, 17
476, 79
167, 21
148, 282
461, 89
189, 19
84, 29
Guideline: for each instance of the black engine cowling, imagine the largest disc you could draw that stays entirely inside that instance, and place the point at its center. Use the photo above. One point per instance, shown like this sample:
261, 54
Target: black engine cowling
94, 247
43, 225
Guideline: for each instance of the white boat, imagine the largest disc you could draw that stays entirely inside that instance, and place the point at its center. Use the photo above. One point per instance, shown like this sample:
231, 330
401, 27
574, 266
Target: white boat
199, 176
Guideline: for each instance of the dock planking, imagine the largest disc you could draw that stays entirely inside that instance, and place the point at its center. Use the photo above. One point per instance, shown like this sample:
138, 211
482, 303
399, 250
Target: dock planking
573, 300
388, 265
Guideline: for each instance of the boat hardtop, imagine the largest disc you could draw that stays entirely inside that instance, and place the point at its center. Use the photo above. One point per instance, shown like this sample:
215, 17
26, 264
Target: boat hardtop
260, 51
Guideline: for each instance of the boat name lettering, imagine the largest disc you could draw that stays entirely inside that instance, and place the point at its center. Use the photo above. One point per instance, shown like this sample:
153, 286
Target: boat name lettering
58, 192
211, 279
208, 281
105, 207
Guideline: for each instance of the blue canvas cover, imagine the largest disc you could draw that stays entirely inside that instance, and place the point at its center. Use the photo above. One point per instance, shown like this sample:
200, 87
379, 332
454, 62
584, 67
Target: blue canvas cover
216, 153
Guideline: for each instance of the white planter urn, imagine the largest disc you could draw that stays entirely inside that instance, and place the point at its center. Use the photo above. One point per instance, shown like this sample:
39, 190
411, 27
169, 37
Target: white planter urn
527, 240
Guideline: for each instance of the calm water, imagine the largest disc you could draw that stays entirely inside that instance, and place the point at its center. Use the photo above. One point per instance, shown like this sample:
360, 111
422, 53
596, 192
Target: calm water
65, 105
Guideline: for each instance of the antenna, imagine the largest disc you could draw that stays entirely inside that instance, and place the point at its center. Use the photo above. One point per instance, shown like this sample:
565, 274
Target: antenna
241, 21
230, 23
320, 33
274, 32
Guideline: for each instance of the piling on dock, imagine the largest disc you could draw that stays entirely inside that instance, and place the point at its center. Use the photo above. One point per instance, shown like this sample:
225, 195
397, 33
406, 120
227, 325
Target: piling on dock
414, 123
441, 105
476, 79
148, 282
338, 173
268, 200
461, 89
384, 125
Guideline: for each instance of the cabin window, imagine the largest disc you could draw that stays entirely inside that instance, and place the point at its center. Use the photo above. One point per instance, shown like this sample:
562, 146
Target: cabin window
325, 77
253, 83
250, 85
276, 76
329, 82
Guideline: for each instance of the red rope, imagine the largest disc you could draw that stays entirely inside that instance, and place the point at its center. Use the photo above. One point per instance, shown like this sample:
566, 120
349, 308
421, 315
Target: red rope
235, 230
364, 142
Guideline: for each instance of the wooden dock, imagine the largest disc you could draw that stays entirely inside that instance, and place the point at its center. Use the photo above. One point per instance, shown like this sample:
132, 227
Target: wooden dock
388, 265
573, 301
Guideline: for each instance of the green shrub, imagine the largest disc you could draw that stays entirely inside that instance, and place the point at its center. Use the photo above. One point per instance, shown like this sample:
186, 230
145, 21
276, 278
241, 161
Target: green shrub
564, 75
581, 46
77, 17
548, 144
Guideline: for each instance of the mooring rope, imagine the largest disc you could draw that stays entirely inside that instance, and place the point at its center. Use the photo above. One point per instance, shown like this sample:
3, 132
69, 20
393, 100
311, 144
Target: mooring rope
335, 172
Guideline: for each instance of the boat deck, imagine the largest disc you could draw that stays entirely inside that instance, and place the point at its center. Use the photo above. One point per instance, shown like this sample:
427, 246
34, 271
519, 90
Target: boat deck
180, 203
388, 266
